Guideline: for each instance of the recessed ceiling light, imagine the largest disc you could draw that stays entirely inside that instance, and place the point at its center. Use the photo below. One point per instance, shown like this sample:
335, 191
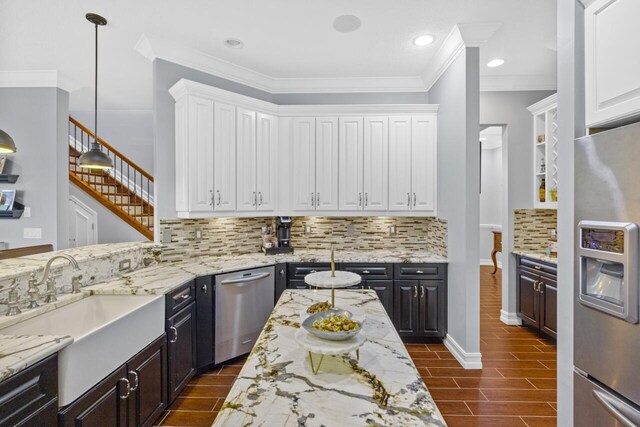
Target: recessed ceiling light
234, 43
347, 23
423, 40
495, 63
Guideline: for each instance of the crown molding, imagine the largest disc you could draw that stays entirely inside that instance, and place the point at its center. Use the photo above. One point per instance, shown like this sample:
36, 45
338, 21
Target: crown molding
543, 104
37, 78
169, 51
587, 3
516, 83
186, 87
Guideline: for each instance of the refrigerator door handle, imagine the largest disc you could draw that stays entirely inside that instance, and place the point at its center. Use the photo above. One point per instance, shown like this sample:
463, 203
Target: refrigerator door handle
623, 413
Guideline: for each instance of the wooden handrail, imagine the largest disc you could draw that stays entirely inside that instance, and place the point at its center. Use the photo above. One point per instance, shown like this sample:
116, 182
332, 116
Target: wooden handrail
113, 150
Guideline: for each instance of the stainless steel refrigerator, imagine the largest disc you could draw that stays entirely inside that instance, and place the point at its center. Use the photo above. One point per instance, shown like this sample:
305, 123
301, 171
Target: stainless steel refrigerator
606, 329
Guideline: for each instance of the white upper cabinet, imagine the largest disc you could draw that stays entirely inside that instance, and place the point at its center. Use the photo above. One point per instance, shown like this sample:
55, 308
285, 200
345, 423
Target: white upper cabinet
423, 163
247, 196
400, 163
376, 163
350, 163
326, 164
612, 61
224, 158
267, 140
303, 148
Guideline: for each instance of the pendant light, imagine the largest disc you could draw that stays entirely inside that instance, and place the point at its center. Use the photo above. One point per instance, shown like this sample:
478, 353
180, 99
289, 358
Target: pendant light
95, 158
6, 143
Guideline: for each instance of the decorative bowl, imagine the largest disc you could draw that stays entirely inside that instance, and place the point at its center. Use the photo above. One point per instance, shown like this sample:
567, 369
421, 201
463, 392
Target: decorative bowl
326, 335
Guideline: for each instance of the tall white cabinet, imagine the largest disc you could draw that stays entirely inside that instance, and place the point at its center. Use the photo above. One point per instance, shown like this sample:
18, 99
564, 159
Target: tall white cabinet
544, 146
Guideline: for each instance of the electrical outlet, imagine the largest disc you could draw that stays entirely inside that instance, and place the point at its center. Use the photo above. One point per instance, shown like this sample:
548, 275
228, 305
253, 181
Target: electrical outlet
167, 235
197, 234
33, 233
351, 230
393, 230
125, 264
307, 229
27, 212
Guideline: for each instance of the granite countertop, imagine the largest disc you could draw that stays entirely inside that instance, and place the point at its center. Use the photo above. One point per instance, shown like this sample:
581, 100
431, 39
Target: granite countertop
277, 387
538, 256
21, 351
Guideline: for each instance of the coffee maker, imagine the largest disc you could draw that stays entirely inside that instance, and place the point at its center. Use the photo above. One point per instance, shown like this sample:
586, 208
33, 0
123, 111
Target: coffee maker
283, 231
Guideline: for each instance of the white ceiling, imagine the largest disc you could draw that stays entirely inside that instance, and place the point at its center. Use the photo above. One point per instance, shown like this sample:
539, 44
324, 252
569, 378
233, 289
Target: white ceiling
283, 39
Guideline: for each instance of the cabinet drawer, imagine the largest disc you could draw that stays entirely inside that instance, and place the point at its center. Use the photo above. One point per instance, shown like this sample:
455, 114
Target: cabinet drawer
26, 398
419, 271
180, 298
538, 266
299, 270
370, 271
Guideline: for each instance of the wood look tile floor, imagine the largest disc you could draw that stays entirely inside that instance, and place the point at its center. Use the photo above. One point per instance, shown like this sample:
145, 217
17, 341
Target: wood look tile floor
516, 387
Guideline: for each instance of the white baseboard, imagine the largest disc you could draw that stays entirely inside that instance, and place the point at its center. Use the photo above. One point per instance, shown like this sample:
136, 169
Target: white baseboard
488, 262
467, 360
510, 318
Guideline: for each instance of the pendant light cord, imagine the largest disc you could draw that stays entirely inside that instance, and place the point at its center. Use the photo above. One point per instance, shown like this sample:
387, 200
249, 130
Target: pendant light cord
95, 100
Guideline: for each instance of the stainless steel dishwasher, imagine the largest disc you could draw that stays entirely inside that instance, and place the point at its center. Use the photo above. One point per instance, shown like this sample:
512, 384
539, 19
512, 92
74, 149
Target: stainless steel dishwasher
244, 302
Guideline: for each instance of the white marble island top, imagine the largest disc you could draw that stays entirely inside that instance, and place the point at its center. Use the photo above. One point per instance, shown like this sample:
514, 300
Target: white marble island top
20, 352
277, 388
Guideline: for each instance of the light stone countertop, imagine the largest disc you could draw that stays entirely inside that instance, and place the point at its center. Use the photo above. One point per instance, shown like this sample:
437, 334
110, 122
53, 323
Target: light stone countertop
276, 386
162, 279
538, 256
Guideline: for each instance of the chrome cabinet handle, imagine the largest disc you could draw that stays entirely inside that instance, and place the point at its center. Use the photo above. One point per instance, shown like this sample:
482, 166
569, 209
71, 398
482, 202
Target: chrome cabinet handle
415, 292
312, 271
219, 197
136, 380
366, 199
128, 385
185, 296
204, 288
421, 291
175, 334
359, 199
419, 272
211, 193
537, 267
317, 199
414, 199
254, 201
260, 196
408, 199
313, 200
282, 272
365, 272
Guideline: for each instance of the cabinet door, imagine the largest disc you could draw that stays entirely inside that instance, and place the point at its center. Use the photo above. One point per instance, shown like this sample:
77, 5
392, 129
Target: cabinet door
103, 405
205, 326
400, 163
405, 307
549, 308
350, 176
431, 309
147, 373
423, 163
200, 154
266, 168
326, 164
528, 298
376, 163
224, 158
612, 63
304, 163
384, 289
181, 350
246, 194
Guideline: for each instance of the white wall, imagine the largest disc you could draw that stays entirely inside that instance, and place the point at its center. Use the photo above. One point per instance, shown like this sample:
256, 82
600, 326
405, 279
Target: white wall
491, 197
457, 92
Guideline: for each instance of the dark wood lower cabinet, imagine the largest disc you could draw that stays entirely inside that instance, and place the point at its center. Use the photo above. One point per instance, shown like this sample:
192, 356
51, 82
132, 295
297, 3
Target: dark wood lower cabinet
405, 307
181, 337
30, 398
135, 394
204, 323
384, 289
420, 309
537, 295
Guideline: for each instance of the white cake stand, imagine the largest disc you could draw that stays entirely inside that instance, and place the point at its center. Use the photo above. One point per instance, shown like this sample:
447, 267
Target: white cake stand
313, 344
325, 280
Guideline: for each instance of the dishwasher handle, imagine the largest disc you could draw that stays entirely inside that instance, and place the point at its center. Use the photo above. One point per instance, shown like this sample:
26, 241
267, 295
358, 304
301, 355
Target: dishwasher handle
246, 279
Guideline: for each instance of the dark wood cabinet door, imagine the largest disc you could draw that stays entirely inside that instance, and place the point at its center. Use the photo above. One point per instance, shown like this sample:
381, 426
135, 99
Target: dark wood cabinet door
405, 307
104, 405
181, 349
431, 318
384, 289
549, 308
204, 322
147, 373
528, 298
281, 280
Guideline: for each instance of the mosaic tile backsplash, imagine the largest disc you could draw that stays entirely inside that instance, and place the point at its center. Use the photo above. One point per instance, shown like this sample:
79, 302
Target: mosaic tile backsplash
532, 228
236, 236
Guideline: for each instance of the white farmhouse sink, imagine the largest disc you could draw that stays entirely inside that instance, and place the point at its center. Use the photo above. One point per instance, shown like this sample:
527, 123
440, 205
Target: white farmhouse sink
107, 331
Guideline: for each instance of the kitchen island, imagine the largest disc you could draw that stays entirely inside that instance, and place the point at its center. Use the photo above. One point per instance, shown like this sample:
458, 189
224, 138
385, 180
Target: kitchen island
276, 386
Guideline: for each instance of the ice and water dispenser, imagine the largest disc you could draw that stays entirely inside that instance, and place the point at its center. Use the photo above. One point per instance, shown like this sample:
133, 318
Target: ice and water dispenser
608, 253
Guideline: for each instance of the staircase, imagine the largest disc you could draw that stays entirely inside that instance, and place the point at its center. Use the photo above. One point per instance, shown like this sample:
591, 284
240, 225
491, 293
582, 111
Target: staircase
126, 189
